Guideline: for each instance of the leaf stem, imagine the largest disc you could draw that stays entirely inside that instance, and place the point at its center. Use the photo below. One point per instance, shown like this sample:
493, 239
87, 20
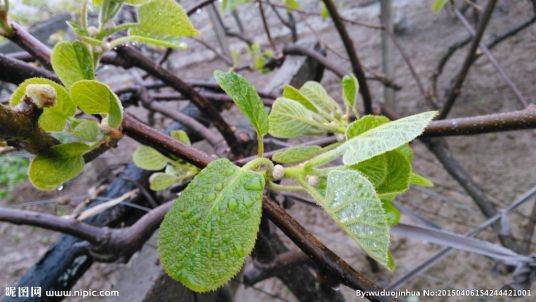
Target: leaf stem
325, 158
311, 190
256, 163
278, 187
118, 28
83, 15
260, 141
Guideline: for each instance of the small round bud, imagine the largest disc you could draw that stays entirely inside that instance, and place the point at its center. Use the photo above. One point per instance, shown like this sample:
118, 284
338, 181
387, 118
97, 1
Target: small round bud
98, 49
93, 31
278, 172
42, 95
313, 180
109, 25
55, 38
344, 116
333, 124
104, 127
340, 137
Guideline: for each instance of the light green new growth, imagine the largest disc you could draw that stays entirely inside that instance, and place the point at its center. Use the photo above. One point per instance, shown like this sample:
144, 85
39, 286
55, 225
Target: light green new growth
296, 154
97, 98
72, 62
290, 119
212, 227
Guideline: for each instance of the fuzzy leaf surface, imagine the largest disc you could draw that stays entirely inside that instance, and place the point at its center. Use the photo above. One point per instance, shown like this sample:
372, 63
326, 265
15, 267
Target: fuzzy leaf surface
290, 119
296, 154
149, 159
162, 22
350, 87
97, 98
245, 97
352, 202
315, 93
60, 163
212, 227
72, 62
384, 138
398, 174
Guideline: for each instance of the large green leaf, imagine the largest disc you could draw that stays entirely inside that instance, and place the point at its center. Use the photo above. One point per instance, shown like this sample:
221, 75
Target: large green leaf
212, 227
350, 87
96, 98
374, 169
352, 202
365, 124
246, 98
296, 154
294, 94
398, 174
315, 93
149, 159
60, 163
72, 62
384, 138
162, 22
53, 118
290, 119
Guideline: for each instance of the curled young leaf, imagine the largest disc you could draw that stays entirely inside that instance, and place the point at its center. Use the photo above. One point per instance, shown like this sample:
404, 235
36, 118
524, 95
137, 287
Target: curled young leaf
294, 94
398, 174
97, 98
317, 95
60, 163
290, 119
211, 228
149, 159
162, 22
53, 118
352, 202
246, 98
350, 87
72, 62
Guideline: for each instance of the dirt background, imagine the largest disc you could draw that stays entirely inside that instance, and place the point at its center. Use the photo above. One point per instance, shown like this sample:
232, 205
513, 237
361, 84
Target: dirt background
503, 164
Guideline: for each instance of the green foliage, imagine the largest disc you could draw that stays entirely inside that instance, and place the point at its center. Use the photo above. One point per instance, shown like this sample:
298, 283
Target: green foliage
53, 118
398, 174
294, 94
72, 62
149, 159
292, 5
13, 170
231, 4
296, 154
438, 5
374, 169
365, 124
97, 98
162, 181
350, 87
246, 98
181, 136
352, 202
211, 228
418, 180
318, 96
108, 10
291, 119
57, 165
384, 138
86, 130
162, 22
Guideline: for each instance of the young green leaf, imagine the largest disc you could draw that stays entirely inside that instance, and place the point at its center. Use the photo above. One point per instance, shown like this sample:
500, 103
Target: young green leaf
438, 5
162, 22
83, 34
232, 4
136, 2
384, 138
365, 124
323, 11
109, 9
406, 150
374, 169
246, 98
72, 62
181, 136
149, 159
212, 227
290, 119
292, 5
315, 93
96, 98
350, 87
392, 213
296, 154
294, 94
418, 180
162, 181
398, 174
86, 130
53, 118
352, 202
60, 163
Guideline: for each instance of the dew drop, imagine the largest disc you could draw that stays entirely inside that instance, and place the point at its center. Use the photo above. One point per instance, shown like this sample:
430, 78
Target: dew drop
254, 185
226, 236
232, 204
187, 213
218, 186
59, 188
229, 172
248, 202
211, 197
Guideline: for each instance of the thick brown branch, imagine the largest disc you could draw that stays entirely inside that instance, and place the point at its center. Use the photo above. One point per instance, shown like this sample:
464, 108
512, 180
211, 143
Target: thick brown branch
16, 71
455, 88
135, 58
33, 46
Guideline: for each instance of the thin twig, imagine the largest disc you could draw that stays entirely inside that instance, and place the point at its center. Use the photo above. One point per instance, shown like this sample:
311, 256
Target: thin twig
266, 28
